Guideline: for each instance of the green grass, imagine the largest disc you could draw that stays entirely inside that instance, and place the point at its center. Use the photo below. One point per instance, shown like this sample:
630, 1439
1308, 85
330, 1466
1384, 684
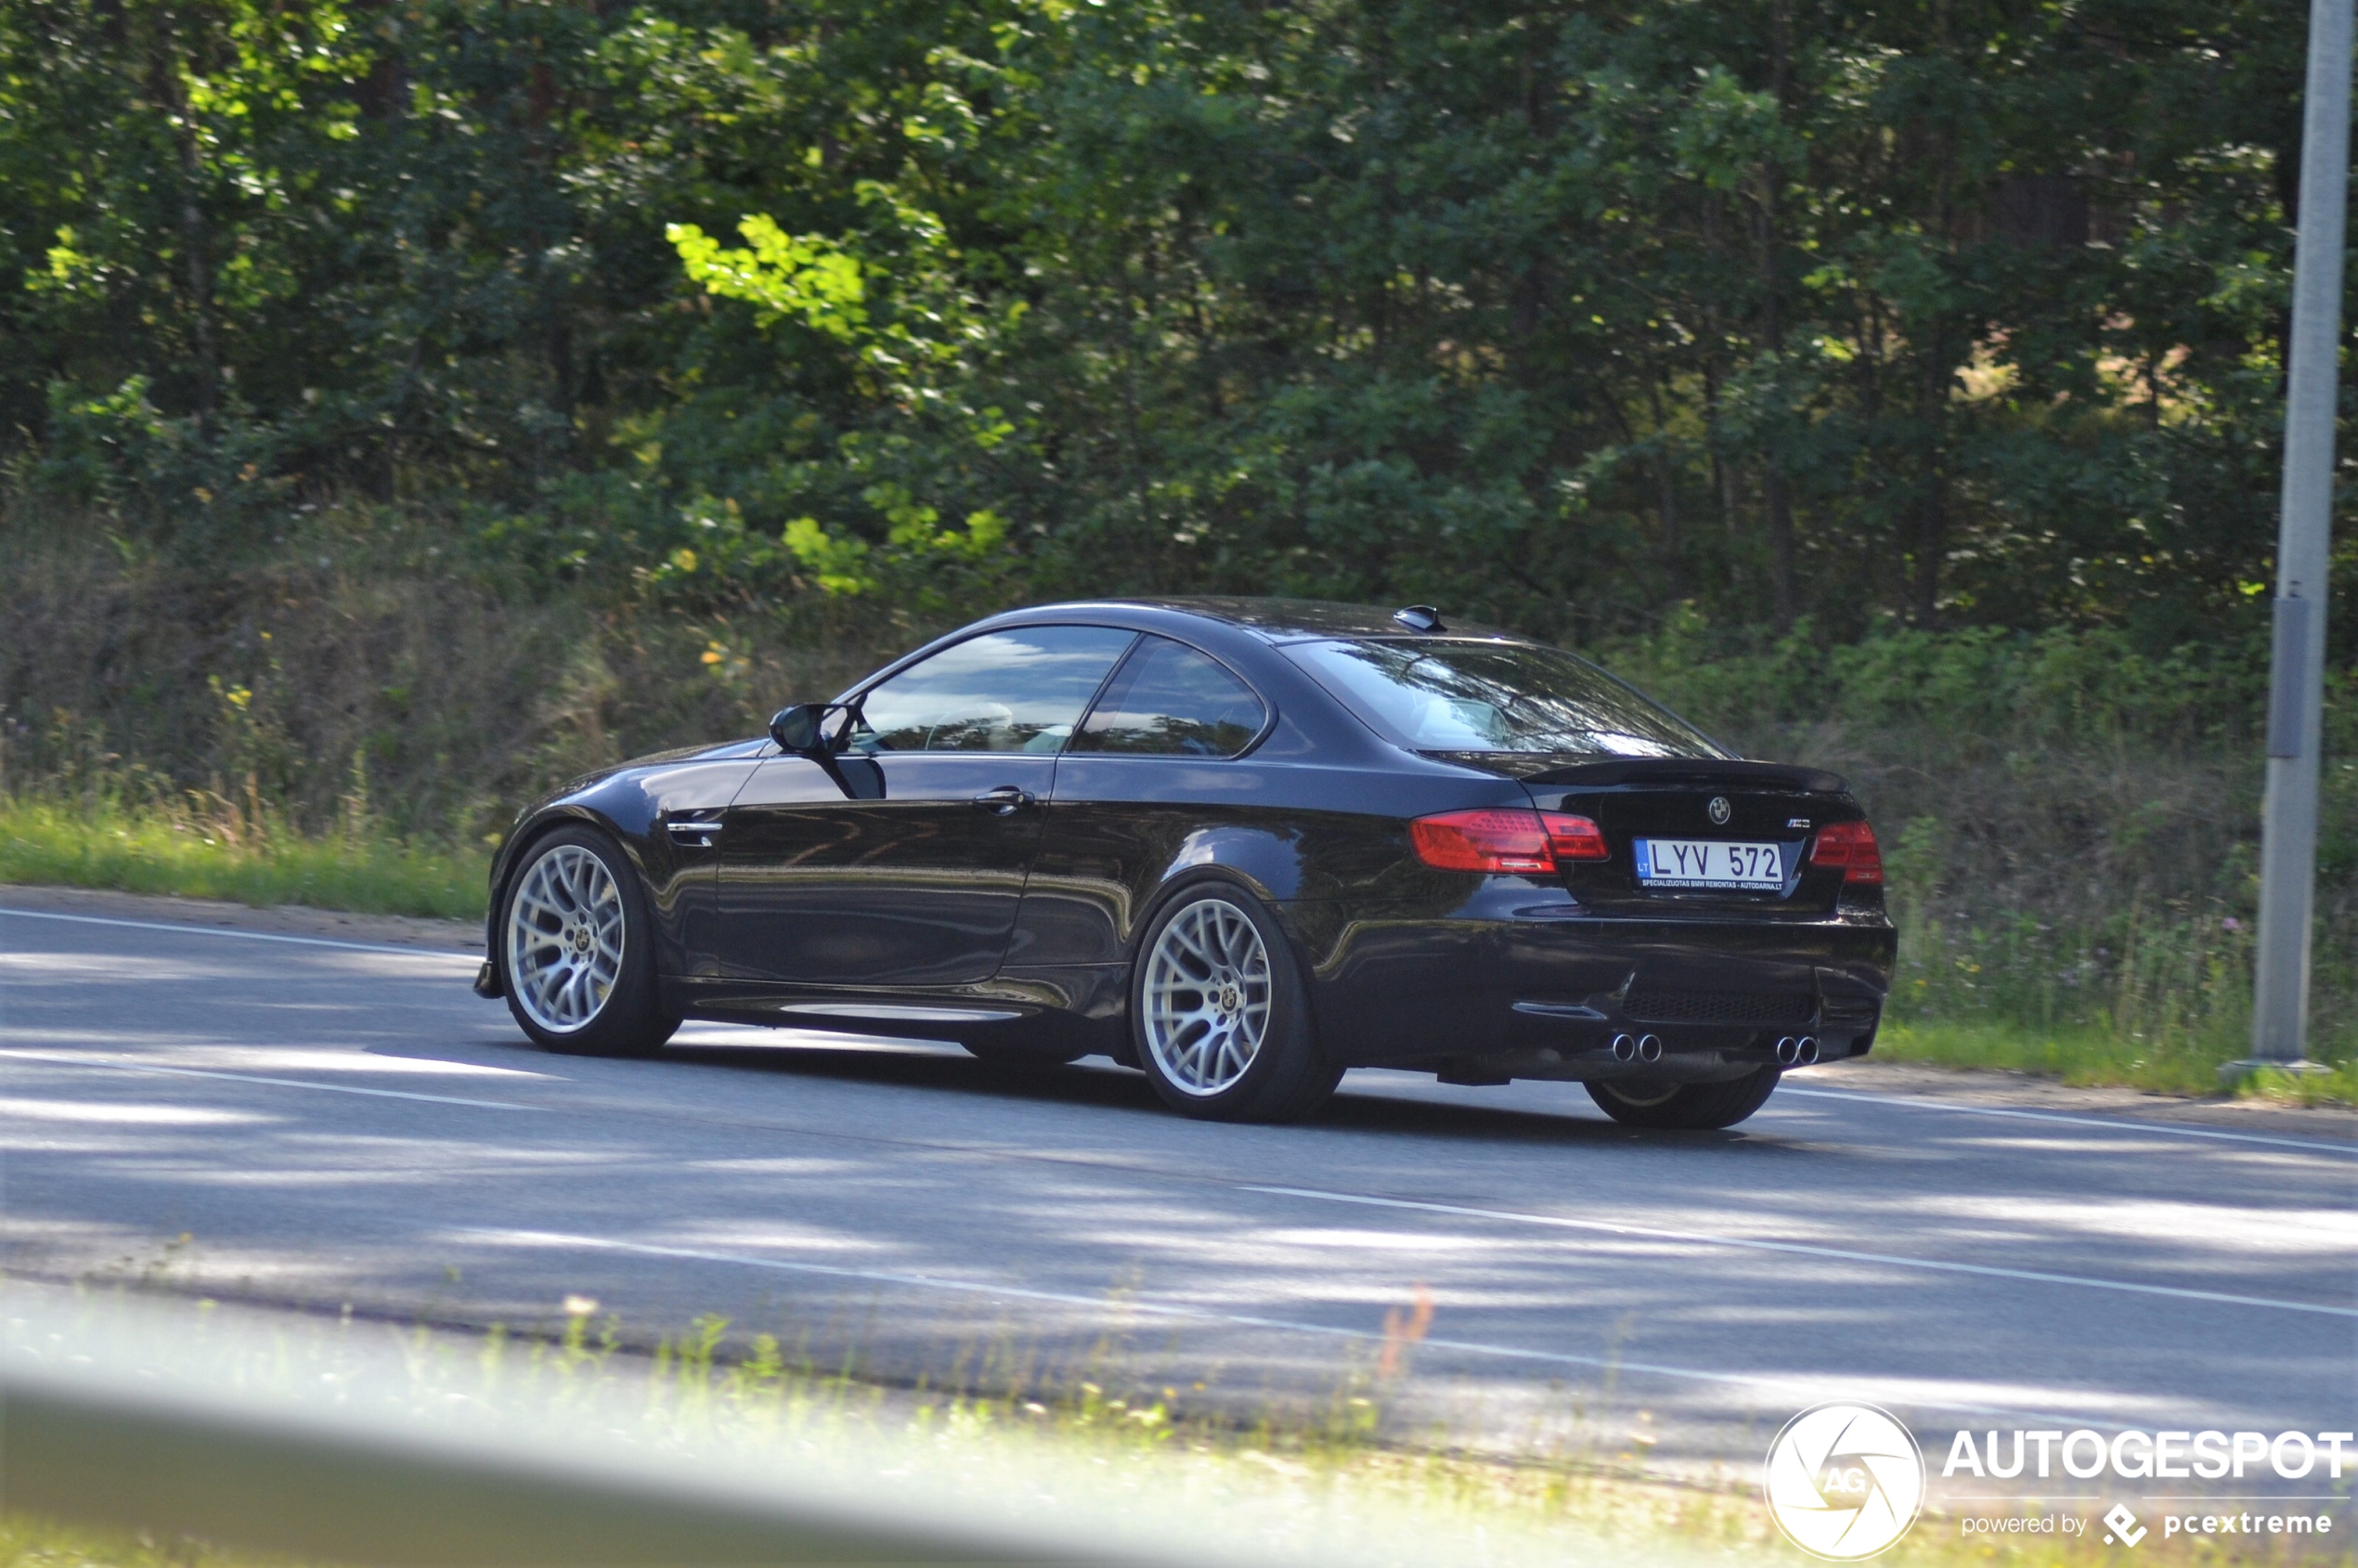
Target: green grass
241, 856
2083, 1054
30, 1542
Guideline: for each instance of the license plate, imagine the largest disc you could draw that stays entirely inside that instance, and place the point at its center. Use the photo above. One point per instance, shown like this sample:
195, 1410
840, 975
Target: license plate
1708, 862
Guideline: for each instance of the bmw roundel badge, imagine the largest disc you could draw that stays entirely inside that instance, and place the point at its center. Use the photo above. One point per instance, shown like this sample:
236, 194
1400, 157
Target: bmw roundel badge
1721, 811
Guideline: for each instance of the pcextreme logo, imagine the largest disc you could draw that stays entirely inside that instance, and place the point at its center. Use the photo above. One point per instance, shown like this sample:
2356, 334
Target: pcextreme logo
1844, 1482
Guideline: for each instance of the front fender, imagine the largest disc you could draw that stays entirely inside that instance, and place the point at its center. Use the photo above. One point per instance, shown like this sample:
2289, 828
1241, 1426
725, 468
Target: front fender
631, 807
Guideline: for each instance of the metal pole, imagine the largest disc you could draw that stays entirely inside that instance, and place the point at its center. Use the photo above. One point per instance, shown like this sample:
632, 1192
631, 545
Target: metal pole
2295, 702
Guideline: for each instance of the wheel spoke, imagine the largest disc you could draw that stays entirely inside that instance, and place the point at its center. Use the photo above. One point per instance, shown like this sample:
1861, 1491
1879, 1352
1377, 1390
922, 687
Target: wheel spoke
1191, 945
550, 984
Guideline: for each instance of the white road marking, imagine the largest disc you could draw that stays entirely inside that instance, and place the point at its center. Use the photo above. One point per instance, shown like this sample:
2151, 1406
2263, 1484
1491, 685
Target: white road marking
245, 935
1813, 1388
2166, 1130
1707, 1238
64, 1059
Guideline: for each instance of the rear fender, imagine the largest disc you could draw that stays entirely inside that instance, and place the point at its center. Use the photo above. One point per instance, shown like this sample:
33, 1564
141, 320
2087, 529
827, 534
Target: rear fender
1269, 863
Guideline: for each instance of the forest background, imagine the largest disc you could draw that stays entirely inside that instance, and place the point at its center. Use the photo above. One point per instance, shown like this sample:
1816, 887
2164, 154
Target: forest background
406, 403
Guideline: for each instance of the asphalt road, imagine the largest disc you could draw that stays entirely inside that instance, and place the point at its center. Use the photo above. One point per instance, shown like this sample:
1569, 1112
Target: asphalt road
295, 1122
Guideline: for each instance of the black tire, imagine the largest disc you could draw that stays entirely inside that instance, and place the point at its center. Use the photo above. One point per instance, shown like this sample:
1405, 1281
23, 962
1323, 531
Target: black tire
1287, 1076
1686, 1106
630, 1019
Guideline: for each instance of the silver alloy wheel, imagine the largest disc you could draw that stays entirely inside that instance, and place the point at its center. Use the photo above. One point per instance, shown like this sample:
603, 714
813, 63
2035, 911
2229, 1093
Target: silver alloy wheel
565, 938
1207, 997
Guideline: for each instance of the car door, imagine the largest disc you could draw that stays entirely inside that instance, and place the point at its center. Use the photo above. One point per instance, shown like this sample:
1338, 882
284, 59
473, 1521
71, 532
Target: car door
901, 863
1150, 772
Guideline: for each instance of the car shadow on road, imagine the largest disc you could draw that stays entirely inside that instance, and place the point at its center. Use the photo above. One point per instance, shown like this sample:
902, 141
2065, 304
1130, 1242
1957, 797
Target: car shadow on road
956, 1073
1444, 1118
1102, 1085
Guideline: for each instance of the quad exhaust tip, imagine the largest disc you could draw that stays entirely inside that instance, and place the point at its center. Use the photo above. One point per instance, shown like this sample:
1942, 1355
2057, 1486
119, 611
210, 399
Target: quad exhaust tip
1635, 1047
1796, 1053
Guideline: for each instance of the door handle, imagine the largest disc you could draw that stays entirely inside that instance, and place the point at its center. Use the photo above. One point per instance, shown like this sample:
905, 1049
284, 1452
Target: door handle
1005, 800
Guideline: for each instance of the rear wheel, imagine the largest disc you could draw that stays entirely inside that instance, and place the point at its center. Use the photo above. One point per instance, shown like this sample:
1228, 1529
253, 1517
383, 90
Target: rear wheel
1684, 1106
576, 943
1220, 1016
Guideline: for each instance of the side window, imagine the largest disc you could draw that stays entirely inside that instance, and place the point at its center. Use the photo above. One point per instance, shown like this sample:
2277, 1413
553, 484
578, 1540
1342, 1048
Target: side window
1005, 691
1169, 700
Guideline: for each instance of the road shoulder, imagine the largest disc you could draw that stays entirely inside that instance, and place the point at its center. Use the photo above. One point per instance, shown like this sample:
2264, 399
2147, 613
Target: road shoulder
2022, 1091
291, 920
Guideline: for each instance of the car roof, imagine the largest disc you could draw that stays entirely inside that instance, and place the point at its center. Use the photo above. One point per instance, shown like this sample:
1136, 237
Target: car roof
1276, 620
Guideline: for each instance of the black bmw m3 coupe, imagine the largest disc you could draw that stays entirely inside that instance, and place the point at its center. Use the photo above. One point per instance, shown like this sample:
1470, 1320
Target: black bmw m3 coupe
1241, 845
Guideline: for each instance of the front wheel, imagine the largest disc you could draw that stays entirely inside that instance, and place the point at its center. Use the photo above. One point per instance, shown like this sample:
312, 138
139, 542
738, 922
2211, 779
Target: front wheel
1683, 1107
577, 945
1219, 1015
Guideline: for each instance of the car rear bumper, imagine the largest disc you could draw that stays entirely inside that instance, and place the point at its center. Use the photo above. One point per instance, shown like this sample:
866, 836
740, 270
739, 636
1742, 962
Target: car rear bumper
1487, 994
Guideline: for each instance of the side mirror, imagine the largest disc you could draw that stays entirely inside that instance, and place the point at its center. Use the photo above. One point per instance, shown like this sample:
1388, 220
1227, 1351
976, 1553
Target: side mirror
797, 729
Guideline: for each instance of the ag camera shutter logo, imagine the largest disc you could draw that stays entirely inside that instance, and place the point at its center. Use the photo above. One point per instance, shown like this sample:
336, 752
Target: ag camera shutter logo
1844, 1482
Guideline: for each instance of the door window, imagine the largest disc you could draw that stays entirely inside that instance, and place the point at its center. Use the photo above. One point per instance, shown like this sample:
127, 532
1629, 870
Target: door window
1005, 691
1170, 700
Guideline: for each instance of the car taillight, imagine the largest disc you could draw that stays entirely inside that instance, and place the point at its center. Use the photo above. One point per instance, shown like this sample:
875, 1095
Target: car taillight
1575, 838
1505, 840
1852, 847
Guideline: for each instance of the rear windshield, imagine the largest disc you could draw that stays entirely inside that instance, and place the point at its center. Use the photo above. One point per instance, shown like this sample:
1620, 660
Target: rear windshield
1435, 695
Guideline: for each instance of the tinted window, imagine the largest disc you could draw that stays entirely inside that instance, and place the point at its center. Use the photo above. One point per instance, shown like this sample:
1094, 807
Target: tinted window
1171, 700
1436, 695
1006, 691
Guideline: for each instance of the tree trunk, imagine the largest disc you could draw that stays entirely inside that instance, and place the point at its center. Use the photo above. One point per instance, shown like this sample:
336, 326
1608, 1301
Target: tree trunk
1782, 594
1932, 511
1673, 544
171, 91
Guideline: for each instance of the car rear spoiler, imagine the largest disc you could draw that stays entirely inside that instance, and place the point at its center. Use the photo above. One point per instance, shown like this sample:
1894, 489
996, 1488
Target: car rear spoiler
1698, 770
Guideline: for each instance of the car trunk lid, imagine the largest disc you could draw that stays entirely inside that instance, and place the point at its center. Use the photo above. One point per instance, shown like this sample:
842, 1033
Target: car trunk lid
1682, 807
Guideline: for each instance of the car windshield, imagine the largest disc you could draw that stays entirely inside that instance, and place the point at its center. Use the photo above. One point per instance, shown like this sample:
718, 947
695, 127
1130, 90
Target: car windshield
1430, 695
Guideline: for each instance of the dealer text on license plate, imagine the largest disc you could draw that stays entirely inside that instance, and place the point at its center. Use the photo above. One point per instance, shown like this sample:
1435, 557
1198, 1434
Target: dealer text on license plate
1704, 863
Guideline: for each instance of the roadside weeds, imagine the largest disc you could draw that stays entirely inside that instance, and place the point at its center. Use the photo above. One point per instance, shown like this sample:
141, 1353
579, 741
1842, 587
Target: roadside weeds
1583, 1493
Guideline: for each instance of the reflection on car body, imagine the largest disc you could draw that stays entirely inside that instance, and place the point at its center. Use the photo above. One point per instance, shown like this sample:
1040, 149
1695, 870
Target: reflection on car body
1243, 845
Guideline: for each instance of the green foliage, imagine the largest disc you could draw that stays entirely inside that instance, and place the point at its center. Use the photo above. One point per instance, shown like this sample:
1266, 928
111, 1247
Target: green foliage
1985, 687
808, 279
1934, 314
